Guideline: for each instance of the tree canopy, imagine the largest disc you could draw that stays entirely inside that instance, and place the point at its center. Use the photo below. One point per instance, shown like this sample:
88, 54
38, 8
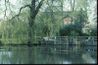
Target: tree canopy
26, 19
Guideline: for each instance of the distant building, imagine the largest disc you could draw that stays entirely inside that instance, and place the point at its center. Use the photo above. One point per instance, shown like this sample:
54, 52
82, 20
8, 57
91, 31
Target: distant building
67, 20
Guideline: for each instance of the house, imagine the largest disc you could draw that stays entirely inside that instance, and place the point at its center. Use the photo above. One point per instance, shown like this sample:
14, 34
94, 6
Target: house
67, 20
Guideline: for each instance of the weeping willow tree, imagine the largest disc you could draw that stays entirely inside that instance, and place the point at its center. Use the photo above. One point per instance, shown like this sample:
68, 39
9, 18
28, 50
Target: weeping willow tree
34, 7
15, 31
52, 20
32, 20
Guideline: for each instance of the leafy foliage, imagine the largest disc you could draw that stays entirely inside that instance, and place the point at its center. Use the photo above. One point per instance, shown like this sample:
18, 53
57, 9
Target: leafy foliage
49, 21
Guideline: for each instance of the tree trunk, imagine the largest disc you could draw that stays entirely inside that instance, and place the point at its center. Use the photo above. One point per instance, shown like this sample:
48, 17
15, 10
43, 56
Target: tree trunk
30, 38
30, 33
33, 12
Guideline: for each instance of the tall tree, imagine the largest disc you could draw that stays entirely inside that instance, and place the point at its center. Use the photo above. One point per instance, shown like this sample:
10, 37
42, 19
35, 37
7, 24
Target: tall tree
34, 9
33, 12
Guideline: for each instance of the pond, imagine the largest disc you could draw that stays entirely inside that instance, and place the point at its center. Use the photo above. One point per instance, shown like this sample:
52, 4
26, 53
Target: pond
45, 55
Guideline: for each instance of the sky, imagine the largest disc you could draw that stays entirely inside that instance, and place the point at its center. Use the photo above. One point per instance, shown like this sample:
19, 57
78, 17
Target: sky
15, 7
13, 1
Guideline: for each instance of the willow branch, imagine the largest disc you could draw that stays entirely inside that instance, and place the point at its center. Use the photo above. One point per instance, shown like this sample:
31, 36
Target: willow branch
20, 11
5, 8
9, 6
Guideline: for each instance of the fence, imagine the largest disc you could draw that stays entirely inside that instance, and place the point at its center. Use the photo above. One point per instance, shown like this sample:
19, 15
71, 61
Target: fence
62, 39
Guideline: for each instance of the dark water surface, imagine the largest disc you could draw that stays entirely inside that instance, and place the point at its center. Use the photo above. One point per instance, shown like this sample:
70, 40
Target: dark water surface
48, 55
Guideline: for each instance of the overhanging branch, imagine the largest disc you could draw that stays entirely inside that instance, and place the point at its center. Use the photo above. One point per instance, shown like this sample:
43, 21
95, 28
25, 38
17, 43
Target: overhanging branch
20, 11
5, 9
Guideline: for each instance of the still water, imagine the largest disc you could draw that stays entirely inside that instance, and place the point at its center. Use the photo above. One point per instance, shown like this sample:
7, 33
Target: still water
46, 55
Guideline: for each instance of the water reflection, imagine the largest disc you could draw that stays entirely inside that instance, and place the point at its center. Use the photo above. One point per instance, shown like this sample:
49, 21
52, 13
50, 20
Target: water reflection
67, 62
43, 55
5, 57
